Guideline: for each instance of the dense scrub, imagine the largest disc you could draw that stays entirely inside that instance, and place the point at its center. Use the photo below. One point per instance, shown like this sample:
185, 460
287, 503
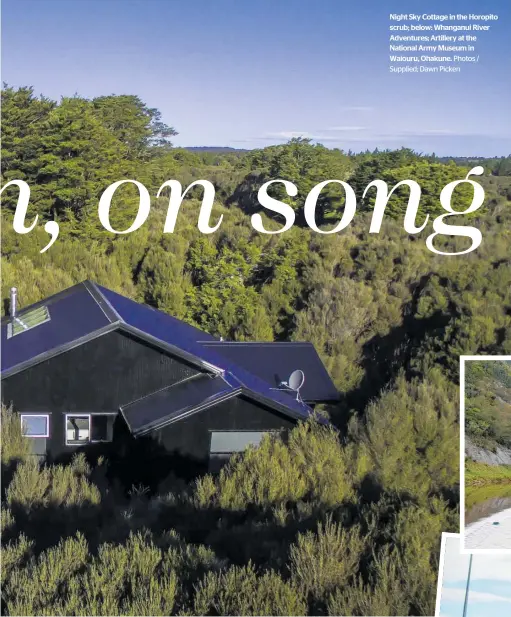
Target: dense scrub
284, 529
343, 520
488, 402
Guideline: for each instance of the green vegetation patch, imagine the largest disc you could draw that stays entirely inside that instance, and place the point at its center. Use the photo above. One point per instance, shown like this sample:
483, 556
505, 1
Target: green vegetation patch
488, 402
343, 522
479, 473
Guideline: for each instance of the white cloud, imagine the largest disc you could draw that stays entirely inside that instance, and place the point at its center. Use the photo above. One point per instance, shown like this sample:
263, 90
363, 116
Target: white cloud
347, 128
426, 132
458, 595
362, 134
484, 567
286, 135
346, 136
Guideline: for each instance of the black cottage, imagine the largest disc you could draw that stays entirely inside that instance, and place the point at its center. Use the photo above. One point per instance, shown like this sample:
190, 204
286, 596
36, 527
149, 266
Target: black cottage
89, 368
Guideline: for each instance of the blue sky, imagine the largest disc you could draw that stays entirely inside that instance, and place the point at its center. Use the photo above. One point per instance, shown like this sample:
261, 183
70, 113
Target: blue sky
248, 74
490, 589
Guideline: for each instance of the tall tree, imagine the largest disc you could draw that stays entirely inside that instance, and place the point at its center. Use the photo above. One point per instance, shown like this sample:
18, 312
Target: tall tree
133, 123
23, 123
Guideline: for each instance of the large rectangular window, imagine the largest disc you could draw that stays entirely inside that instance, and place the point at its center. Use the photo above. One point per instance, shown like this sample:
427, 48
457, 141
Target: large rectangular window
35, 425
226, 443
223, 442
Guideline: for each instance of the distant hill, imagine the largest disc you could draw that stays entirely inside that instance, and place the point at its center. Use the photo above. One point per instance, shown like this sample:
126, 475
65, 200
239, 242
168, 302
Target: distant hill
216, 149
496, 165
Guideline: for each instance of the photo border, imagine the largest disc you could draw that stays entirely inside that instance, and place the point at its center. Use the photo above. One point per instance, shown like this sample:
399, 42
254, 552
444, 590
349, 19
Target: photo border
440, 580
463, 550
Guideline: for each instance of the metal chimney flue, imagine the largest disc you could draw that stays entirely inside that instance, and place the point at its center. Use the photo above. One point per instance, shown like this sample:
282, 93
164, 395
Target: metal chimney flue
14, 301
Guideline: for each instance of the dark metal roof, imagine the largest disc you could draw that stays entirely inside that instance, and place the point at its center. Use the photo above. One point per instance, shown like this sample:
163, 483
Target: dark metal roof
274, 362
87, 310
74, 315
176, 336
162, 324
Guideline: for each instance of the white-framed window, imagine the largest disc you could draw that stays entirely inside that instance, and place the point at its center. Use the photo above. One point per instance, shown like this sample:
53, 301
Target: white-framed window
35, 425
78, 429
28, 320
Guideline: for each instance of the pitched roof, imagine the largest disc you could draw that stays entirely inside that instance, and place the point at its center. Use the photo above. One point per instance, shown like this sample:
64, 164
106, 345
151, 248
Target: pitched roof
274, 362
75, 313
87, 310
145, 321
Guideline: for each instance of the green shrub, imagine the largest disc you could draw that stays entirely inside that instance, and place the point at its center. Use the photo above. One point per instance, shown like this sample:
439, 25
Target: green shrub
329, 558
412, 437
39, 486
39, 586
241, 591
15, 448
384, 595
311, 465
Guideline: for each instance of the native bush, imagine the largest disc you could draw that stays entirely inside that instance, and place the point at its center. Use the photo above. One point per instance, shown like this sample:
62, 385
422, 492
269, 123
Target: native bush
15, 448
243, 591
311, 465
411, 435
35, 485
344, 522
329, 558
383, 595
38, 587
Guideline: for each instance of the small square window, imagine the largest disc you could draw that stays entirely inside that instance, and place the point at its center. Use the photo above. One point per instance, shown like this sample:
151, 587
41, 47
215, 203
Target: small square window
77, 430
35, 425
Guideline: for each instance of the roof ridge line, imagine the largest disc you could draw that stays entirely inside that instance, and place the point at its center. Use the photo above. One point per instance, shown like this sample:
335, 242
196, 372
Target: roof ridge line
97, 294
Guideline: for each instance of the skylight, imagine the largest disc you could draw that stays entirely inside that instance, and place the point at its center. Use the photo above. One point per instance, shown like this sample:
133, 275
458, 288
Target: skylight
27, 321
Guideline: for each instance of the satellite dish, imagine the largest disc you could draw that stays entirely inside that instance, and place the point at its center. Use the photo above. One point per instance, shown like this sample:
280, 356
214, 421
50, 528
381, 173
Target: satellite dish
296, 381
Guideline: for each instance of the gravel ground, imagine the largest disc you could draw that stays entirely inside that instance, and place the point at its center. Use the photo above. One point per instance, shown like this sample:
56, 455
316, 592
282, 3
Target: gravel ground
488, 534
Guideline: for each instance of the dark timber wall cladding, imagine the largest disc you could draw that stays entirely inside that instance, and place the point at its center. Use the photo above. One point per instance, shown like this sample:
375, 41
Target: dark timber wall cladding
182, 447
97, 376
190, 437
